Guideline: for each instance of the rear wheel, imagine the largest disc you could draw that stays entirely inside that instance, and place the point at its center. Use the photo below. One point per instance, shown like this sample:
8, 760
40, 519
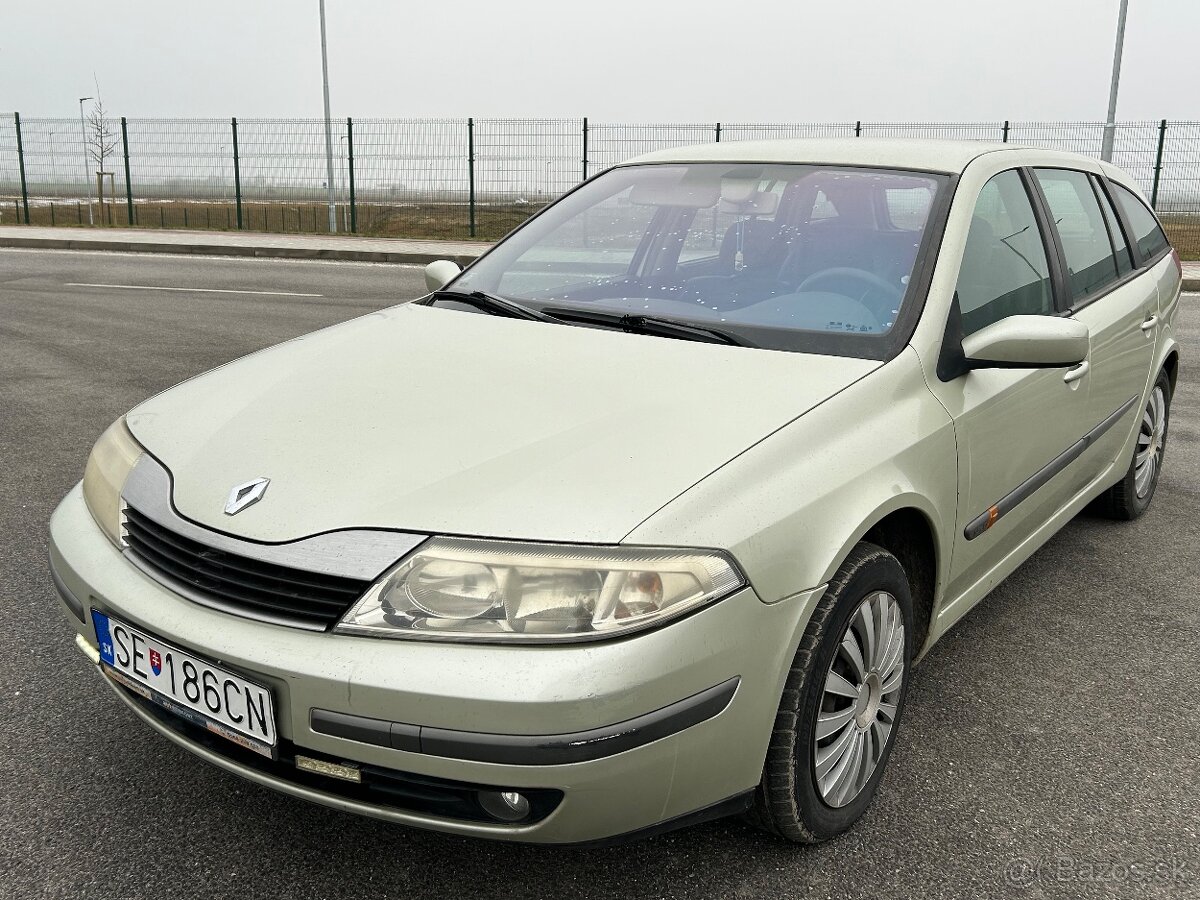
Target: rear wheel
1130, 496
842, 703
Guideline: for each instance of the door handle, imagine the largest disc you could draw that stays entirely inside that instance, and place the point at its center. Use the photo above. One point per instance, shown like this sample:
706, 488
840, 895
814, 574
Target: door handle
1076, 373
1150, 322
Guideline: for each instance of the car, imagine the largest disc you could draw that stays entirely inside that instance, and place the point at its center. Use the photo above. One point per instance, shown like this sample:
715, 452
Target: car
644, 517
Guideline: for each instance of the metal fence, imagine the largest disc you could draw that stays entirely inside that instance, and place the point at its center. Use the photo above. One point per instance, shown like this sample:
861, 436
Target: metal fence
445, 178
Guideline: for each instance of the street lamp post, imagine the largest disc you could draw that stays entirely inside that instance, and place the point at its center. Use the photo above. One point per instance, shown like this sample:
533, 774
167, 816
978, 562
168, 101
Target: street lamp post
1106, 149
328, 129
87, 178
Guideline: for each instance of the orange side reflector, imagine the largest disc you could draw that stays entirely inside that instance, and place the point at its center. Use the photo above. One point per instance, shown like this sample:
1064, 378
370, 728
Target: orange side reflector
993, 515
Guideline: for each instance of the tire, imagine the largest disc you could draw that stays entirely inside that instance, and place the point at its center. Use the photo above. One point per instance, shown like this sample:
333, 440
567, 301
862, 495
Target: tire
792, 801
1131, 496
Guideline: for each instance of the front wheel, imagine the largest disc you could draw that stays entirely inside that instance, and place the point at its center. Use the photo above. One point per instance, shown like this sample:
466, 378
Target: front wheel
842, 703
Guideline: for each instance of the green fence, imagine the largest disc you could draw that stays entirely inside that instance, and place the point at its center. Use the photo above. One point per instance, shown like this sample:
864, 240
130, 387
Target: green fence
445, 178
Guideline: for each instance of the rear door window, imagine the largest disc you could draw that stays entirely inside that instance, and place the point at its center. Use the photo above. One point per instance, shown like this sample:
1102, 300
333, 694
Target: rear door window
1146, 231
1091, 265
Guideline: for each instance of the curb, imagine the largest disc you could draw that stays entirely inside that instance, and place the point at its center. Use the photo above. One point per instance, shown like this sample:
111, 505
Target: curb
1191, 284
411, 257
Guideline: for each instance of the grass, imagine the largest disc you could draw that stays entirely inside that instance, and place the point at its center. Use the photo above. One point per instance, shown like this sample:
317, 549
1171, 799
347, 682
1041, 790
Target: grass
1184, 232
425, 221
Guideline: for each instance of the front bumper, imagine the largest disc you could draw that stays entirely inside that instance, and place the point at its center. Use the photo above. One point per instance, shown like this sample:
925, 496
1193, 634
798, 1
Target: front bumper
464, 690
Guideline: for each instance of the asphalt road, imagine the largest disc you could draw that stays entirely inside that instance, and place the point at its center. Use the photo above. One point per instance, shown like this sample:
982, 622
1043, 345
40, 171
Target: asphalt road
1051, 746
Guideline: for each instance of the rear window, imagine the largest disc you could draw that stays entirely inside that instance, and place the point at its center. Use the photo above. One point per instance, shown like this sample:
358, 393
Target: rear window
1146, 231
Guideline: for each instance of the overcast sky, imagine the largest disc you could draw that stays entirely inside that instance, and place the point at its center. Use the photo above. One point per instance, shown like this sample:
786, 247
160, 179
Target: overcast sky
613, 60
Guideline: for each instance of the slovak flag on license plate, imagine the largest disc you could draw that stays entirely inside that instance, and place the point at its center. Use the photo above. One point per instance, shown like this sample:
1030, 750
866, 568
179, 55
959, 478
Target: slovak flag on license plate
156, 662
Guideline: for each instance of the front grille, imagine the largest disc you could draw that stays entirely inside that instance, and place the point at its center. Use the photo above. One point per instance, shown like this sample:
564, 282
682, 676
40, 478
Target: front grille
238, 582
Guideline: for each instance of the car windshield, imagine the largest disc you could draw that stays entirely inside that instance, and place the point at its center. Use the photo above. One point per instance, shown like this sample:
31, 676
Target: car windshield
815, 258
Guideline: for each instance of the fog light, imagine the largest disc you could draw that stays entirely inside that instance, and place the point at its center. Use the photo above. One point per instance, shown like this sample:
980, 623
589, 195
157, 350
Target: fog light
507, 806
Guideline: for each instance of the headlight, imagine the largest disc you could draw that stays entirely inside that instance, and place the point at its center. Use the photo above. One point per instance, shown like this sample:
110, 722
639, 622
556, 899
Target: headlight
496, 591
112, 459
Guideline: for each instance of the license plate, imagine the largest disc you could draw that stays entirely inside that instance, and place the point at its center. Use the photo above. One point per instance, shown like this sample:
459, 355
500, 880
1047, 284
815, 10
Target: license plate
206, 695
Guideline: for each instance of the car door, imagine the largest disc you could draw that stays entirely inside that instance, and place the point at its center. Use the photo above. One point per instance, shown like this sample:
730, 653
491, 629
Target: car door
1108, 294
1010, 424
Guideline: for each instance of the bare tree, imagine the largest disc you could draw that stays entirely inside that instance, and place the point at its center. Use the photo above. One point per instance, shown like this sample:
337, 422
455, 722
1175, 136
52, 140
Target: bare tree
101, 141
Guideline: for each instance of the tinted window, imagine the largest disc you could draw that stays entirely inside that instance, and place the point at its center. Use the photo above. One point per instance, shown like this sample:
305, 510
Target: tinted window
1081, 230
1146, 231
1004, 269
1124, 258
789, 257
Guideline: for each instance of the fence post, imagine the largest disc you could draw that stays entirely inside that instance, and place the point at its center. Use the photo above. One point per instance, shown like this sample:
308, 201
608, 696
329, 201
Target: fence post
471, 170
858, 129
237, 175
350, 163
585, 148
1162, 136
128, 186
718, 132
1004, 132
21, 165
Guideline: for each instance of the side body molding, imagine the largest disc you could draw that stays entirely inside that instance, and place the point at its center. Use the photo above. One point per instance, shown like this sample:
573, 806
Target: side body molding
530, 749
1038, 479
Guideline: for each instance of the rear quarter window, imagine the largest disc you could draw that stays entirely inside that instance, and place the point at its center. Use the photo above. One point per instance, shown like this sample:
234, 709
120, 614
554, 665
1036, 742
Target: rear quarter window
1146, 231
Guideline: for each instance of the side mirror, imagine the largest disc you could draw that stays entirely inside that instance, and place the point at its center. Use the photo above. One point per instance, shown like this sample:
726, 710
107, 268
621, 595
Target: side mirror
440, 273
1027, 342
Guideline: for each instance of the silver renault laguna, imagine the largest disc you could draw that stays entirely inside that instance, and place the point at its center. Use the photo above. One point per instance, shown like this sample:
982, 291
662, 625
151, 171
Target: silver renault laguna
645, 517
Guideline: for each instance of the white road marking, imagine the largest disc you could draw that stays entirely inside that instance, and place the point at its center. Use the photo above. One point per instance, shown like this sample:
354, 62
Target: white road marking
151, 287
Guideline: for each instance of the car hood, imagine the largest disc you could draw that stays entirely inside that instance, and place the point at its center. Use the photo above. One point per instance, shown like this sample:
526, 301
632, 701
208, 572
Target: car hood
441, 421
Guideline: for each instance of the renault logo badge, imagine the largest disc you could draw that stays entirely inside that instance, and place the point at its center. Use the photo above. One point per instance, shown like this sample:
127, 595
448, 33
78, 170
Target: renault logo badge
244, 495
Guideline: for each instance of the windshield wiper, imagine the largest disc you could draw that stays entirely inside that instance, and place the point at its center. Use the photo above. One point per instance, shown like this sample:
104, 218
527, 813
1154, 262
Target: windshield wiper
638, 324
496, 305
671, 328
634, 324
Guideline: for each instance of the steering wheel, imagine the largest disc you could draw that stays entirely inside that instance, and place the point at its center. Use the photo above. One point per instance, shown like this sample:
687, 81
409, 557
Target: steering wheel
872, 281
